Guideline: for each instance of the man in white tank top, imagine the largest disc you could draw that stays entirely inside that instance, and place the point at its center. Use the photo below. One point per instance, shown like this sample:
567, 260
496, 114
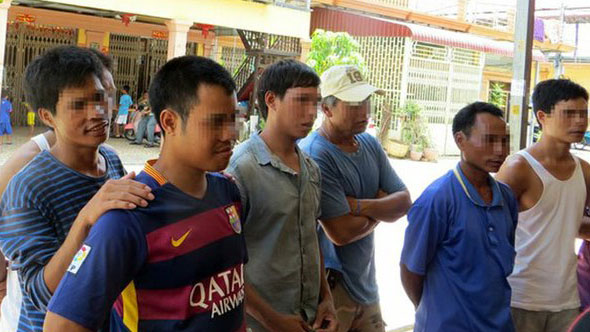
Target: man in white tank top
551, 187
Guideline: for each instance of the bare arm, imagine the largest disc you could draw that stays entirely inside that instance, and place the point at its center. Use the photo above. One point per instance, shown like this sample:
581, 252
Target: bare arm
326, 311
413, 284
57, 323
272, 320
385, 207
348, 228
514, 173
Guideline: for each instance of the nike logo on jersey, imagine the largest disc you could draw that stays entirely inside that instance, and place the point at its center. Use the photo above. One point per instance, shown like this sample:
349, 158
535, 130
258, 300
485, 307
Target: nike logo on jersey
177, 243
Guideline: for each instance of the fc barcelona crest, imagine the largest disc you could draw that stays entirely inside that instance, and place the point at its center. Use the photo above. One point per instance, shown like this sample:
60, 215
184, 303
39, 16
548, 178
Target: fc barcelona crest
234, 218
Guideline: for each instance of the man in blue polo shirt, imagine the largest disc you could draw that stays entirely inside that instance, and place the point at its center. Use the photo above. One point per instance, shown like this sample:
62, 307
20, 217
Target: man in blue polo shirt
459, 244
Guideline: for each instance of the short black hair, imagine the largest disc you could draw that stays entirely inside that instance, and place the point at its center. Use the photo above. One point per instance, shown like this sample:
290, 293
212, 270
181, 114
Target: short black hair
282, 76
106, 60
176, 84
126, 88
465, 118
59, 68
550, 92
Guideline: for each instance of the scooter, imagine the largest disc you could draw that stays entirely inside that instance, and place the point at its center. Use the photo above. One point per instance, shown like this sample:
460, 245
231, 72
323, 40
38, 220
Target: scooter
585, 141
131, 127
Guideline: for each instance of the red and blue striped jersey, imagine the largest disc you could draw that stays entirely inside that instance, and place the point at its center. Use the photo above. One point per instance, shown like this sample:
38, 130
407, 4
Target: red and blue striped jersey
176, 265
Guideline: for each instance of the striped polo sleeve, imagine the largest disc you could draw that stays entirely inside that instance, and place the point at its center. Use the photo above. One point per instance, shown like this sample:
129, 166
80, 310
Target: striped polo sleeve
26, 239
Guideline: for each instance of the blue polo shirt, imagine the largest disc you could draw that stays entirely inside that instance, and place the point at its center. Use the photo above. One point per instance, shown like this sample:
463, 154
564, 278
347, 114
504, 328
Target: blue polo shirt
464, 248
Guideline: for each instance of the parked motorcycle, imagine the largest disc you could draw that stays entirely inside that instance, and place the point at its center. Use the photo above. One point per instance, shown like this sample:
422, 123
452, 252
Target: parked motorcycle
131, 127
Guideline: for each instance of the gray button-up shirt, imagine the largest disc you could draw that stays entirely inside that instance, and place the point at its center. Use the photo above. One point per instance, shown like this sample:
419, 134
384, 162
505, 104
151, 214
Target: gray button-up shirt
281, 208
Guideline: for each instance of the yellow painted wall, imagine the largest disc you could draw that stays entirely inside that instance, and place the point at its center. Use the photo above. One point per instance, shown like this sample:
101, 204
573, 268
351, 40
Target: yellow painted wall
577, 72
81, 37
238, 14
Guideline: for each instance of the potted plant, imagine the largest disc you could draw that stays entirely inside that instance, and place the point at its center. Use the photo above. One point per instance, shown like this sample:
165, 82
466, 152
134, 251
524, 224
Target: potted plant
413, 129
430, 152
416, 152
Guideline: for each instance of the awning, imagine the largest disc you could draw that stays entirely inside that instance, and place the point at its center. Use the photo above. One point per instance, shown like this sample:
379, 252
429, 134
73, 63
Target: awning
364, 25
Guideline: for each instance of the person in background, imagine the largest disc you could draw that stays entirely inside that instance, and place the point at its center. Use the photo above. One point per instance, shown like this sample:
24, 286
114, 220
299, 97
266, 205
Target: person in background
5, 125
30, 119
147, 124
124, 103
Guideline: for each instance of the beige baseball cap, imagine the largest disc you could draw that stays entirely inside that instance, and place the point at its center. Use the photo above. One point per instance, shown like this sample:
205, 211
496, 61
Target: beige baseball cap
347, 84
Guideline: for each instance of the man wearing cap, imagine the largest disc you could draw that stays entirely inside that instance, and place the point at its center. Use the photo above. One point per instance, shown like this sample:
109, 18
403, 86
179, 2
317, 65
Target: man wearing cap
359, 190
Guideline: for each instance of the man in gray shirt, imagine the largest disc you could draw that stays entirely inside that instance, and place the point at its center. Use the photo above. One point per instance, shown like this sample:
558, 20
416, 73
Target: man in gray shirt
286, 287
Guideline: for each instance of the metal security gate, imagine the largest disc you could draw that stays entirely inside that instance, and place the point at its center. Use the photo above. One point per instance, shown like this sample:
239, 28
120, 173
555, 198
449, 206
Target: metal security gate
442, 80
24, 42
127, 52
154, 58
384, 61
439, 78
136, 61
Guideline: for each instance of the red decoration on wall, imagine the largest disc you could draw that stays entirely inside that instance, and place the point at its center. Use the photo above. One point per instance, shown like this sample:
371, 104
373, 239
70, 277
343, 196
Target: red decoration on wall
205, 29
127, 18
160, 34
27, 18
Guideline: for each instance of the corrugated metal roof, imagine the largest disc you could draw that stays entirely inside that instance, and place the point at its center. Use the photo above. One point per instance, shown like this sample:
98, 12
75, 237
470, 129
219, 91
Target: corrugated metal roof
364, 25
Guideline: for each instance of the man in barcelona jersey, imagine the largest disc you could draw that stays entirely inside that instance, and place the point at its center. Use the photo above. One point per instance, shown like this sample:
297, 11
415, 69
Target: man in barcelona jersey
178, 263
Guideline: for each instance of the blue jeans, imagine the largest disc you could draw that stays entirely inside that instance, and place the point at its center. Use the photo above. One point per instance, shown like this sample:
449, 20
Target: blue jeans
146, 123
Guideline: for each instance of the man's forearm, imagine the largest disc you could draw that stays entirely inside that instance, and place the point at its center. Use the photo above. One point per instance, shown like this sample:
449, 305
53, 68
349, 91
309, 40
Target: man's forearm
413, 284
59, 263
389, 208
258, 308
348, 228
325, 292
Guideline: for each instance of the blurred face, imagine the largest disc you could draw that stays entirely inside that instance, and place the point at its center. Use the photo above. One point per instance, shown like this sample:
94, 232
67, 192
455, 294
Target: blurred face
295, 113
349, 117
206, 139
567, 121
487, 146
81, 116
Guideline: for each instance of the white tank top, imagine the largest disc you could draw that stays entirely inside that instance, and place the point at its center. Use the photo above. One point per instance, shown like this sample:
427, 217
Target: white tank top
41, 142
544, 276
